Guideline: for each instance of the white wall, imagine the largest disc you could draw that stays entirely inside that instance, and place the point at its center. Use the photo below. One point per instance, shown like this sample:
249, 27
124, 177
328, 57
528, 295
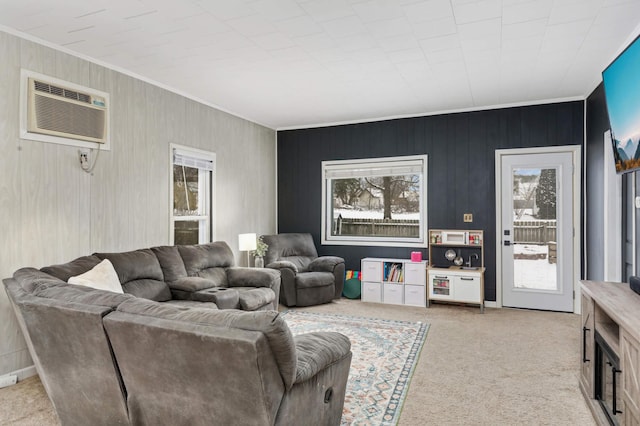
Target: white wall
53, 212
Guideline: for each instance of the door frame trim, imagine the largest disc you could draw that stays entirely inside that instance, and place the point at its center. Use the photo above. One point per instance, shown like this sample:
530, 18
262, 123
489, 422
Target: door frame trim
575, 151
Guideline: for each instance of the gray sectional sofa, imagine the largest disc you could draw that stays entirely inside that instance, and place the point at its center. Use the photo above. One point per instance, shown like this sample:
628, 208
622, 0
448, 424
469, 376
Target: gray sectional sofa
180, 275
158, 356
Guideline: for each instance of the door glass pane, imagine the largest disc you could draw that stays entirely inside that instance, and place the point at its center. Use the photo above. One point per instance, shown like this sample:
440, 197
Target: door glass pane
185, 191
534, 229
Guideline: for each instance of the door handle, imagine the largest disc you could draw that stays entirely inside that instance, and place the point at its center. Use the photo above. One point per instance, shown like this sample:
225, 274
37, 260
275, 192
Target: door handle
614, 370
507, 243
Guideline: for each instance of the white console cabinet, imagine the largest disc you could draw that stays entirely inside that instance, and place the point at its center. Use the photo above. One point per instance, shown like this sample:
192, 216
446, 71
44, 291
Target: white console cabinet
396, 281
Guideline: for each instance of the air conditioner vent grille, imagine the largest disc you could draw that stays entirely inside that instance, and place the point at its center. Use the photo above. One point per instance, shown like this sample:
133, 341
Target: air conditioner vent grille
61, 91
69, 118
76, 114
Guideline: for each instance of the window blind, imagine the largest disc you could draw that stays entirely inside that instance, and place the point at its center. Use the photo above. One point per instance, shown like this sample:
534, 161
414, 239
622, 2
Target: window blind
352, 170
193, 159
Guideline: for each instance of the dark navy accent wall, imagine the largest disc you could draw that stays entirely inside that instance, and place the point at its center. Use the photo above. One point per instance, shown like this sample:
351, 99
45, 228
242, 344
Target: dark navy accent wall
461, 176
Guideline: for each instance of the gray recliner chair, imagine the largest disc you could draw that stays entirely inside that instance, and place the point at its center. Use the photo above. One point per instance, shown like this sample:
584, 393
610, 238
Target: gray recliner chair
306, 278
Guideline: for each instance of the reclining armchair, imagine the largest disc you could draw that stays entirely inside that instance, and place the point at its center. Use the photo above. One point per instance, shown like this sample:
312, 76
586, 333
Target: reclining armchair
306, 278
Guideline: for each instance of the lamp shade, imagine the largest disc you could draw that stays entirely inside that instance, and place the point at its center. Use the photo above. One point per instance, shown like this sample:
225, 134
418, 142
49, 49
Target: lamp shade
247, 242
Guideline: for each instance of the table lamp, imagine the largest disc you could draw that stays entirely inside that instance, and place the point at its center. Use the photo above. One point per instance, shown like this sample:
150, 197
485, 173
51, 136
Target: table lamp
247, 242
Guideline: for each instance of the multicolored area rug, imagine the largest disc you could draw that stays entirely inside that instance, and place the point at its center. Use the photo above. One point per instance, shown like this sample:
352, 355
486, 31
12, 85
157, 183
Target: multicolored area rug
385, 353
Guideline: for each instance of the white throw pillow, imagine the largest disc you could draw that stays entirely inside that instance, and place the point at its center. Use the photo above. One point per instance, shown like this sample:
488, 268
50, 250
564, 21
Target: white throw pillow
103, 277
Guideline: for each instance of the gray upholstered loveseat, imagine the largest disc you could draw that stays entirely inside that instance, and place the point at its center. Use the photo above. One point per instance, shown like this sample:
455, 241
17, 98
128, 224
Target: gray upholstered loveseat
106, 358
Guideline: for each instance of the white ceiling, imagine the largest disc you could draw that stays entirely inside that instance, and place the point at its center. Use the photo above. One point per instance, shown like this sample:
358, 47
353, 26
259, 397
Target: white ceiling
297, 63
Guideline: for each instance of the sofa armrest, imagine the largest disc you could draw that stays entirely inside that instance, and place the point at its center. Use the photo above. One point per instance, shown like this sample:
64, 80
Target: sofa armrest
284, 264
325, 263
288, 272
252, 277
317, 350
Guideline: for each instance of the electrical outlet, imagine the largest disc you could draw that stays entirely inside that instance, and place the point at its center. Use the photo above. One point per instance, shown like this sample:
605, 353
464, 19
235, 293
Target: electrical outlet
468, 217
84, 159
8, 380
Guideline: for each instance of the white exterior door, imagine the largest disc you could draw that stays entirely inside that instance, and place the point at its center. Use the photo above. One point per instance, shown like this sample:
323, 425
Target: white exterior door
537, 230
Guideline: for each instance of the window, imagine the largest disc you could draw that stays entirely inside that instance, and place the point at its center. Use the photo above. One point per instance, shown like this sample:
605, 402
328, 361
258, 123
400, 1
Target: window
377, 201
192, 182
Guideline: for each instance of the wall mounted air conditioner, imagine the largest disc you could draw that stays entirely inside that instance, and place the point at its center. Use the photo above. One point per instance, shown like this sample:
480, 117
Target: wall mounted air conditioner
62, 112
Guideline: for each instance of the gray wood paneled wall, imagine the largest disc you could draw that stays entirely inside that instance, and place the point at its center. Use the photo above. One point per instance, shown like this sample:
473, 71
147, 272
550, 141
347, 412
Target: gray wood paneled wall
53, 212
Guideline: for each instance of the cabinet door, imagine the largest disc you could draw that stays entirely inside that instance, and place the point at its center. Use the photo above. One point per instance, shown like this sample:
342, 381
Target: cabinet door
393, 293
414, 295
415, 273
630, 366
467, 289
371, 270
371, 292
587, 354
440, 286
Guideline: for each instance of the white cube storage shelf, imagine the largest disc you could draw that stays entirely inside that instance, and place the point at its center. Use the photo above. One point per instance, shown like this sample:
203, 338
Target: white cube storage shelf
395, 281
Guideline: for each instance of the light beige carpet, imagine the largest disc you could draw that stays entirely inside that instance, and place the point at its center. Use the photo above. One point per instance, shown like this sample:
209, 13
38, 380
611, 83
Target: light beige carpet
503, 367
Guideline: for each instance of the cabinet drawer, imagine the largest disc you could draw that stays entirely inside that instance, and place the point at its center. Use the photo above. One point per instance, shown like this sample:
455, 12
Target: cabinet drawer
393, 293
415, 273
371, 271
467, 289
414, 295
371, 292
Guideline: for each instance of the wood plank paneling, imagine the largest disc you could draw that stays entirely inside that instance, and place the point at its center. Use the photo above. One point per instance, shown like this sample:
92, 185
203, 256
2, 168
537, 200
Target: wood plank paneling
53, 211
461, 166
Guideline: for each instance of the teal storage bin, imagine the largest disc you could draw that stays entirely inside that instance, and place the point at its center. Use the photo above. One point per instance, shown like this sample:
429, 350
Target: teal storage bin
352, 288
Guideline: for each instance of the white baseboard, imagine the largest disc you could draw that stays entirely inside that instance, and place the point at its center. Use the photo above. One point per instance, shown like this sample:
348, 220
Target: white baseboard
24, 373
489, 304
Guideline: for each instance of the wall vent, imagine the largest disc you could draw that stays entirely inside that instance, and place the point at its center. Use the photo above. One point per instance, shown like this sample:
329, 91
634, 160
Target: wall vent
66, 112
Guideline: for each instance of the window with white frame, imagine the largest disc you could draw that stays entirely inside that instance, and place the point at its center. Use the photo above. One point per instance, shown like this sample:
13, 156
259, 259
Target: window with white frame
192, 183
375, 201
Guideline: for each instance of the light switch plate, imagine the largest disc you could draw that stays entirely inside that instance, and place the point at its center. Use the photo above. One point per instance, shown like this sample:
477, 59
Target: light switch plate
468, 217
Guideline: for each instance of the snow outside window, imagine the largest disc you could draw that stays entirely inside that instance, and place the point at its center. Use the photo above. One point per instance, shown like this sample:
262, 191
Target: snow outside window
192, 178
376, 201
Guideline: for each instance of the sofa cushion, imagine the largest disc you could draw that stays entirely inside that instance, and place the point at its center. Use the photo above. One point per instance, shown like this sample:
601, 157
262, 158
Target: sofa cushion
317, 350
223, 297
83, 295
31, 278
270, 323
140, 274
102, 277
252, 299
314, 279
76, 267
188, 304
298, 249
252, 277
170, 262
208, 261
191, 284
135, 265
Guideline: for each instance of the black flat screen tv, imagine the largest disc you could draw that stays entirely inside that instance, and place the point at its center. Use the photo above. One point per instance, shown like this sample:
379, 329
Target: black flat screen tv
622, 93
